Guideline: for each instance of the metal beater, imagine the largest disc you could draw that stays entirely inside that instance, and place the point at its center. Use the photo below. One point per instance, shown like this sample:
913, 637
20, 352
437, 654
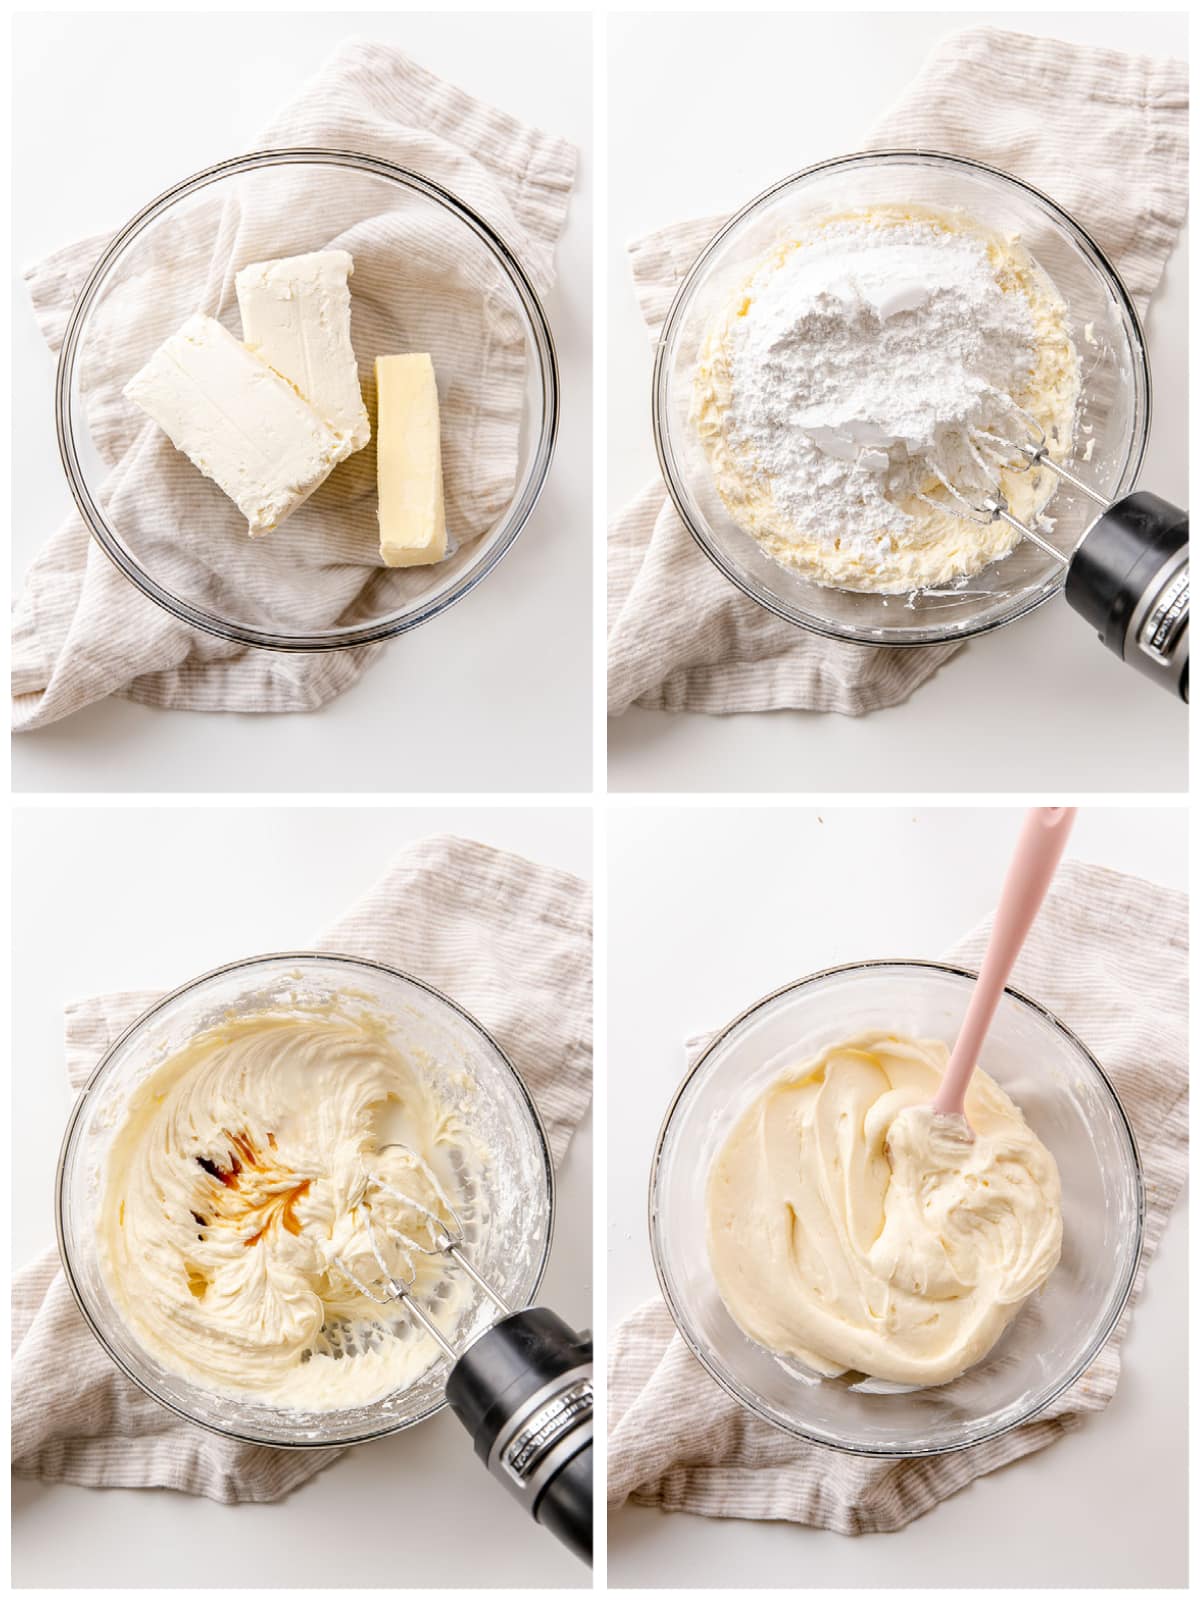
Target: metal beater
1127, 576
522, 1388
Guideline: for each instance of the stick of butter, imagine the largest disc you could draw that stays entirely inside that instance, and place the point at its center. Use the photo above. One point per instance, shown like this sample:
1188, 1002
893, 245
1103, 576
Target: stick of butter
296, 316
238, 421
412, 507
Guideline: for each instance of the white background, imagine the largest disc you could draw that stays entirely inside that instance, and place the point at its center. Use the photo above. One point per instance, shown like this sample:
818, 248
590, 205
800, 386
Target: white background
711, 909
710, 110
495, 694
129, 899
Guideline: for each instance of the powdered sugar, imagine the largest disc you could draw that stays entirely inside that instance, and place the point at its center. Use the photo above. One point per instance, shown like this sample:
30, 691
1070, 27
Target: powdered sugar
860, 361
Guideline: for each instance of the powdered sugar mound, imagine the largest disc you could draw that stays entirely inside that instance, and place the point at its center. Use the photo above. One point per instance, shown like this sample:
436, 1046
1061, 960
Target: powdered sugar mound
861, 361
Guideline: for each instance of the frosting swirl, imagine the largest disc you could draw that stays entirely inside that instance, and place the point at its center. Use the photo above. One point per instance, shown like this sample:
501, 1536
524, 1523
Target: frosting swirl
236, 1194
851, 1227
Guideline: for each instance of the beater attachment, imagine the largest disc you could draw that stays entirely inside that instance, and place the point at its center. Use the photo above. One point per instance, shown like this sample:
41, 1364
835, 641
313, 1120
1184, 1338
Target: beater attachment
413, 1229
1021, 447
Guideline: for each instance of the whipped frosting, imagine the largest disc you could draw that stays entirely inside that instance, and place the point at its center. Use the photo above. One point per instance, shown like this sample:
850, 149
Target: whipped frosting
854, 370
243, 1167
852, 1228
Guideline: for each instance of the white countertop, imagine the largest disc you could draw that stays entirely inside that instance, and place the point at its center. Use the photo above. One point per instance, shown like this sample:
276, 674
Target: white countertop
710, 909
1039, 705
89, 889
511, 663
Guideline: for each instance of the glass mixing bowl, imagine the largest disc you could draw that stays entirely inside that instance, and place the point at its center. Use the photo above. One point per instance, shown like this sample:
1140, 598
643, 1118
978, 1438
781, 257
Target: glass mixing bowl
1114, 408
1068, 1102
429, 275
512, 1230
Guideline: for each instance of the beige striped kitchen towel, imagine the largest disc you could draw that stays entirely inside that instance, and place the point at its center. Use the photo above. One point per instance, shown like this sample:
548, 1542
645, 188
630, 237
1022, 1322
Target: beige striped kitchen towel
1107, 954
508, 939
681, 637
82, 630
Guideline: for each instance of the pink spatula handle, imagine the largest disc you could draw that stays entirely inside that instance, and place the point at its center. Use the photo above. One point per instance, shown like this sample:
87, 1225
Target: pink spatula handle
1039, 848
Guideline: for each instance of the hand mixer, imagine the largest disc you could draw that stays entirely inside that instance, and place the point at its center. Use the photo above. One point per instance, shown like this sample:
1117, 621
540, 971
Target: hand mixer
522, 1388
1127, 576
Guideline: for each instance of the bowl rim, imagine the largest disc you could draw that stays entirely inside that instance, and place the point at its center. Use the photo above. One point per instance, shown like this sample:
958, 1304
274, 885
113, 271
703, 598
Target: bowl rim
351, 963
389, 627
979, 1436
662, 429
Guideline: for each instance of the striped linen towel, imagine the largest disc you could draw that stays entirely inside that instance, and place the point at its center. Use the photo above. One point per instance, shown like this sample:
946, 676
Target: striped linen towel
681, 637
1107, 954
81, 630
511, 941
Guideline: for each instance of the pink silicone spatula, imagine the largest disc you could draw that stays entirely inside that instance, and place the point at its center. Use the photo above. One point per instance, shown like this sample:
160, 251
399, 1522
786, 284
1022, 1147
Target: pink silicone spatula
1032, 867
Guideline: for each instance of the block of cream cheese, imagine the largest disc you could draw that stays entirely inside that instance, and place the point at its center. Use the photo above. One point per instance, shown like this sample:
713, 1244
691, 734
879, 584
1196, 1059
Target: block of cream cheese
412, 509
296, 316
236, 419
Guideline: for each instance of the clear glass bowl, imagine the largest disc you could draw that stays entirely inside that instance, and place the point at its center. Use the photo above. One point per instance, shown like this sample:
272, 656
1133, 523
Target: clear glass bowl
420, 256
1068, 1102
514, 1235
1115, 403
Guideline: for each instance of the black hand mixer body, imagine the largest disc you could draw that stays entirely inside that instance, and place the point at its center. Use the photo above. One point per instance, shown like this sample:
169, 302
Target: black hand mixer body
1129, 579
1128, 575
522, 1388
523, 1391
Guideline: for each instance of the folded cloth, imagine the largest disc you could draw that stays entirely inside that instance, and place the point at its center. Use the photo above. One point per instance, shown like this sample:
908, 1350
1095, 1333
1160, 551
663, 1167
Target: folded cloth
681, 637
1107, 954
82, 630
511, 941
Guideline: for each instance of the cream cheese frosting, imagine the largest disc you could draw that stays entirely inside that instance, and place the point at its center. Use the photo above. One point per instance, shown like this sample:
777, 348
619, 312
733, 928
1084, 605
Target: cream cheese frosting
241, 1174
854, 360
853, 1229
